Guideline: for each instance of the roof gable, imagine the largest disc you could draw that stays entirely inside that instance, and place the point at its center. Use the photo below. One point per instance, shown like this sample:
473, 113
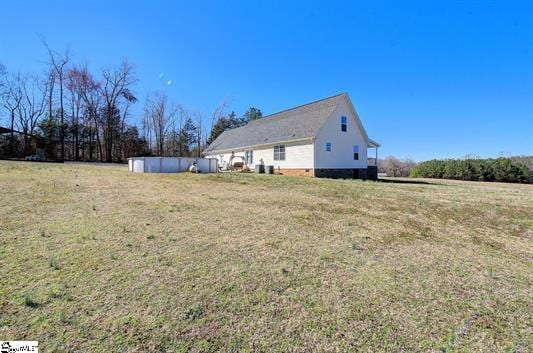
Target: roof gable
356, 116
298, 123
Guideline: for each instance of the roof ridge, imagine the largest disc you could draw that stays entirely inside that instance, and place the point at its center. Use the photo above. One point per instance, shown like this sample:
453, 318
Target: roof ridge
302, 105
277, 127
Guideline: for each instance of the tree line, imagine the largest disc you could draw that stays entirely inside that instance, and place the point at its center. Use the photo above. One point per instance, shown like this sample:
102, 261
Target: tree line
491, 169
395, 167
83, 115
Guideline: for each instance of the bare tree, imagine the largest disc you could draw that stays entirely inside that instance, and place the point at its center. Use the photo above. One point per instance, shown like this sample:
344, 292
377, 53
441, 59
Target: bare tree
90, 92
116, 87
123, 128
395, 167
32, 107
218, 112
58, 64
183, 117
198, 134
86, 117
147, 128
11, 97
3, 77
3, 82
51, 74
74, 84
162, 116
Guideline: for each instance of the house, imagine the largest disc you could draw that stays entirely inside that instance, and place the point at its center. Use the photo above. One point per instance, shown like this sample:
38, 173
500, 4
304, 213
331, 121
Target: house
324, 138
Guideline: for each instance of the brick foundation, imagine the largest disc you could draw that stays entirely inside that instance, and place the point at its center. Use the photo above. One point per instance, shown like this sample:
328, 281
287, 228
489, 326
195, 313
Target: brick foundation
298, 172
370, 173
359, 173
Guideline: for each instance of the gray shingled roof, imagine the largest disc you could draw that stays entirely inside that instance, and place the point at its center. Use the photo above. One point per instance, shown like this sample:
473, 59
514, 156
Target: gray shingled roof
297, 123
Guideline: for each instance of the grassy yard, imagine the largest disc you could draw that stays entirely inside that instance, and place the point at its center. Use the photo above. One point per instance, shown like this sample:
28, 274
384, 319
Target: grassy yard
95, 259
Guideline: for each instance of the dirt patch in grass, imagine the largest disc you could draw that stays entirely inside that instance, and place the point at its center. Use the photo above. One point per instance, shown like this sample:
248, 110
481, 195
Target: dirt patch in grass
95, 259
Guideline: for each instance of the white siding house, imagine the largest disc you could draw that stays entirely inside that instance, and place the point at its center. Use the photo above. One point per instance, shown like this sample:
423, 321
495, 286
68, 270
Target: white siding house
322, 138
297, 156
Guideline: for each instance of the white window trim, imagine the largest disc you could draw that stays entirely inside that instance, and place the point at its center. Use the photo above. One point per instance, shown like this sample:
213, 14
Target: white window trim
279, 153
249, 157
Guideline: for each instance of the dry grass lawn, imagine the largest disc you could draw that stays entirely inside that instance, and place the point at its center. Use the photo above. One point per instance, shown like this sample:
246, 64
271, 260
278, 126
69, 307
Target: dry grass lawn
94, 259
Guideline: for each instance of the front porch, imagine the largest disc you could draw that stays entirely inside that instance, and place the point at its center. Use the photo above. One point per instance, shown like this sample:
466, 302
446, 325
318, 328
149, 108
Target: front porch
372, 161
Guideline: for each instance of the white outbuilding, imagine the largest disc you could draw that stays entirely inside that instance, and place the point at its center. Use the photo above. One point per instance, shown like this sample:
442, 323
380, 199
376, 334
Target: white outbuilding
171, 164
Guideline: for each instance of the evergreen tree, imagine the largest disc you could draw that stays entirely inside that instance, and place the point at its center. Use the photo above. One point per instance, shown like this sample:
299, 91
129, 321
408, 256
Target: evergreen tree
500, 169
187, 138
223, 123
133, 145
251, 115
49, 129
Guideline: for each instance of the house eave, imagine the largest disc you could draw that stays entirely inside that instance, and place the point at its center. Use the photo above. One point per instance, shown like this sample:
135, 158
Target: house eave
373, 144
262, 145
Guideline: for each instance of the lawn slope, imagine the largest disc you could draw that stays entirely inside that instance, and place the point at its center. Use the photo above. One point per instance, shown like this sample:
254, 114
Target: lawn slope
95, 259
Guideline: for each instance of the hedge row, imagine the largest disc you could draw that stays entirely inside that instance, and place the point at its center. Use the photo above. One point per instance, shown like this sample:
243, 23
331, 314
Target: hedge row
499, 169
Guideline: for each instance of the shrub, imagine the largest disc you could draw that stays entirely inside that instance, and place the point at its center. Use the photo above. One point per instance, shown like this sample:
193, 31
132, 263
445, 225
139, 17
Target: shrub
29, 301
53, 262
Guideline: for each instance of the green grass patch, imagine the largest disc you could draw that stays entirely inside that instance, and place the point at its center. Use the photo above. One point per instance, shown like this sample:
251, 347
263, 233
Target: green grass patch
257, 263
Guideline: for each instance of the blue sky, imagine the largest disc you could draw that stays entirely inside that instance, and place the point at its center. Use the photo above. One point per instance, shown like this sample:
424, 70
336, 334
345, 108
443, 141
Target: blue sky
428, 78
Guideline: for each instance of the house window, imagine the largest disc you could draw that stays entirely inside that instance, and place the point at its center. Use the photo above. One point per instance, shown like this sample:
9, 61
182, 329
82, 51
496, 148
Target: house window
356, 152
279, 153
344, 123
328, 146
249, 157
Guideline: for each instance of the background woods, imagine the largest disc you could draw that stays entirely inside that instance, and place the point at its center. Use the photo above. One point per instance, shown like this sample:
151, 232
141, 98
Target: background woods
85, 115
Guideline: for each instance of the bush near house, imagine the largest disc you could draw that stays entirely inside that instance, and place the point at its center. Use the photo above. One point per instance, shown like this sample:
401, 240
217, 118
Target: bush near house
498, 169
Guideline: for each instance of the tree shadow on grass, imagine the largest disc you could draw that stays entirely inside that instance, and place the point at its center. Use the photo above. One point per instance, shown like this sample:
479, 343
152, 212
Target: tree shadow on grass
406, 181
